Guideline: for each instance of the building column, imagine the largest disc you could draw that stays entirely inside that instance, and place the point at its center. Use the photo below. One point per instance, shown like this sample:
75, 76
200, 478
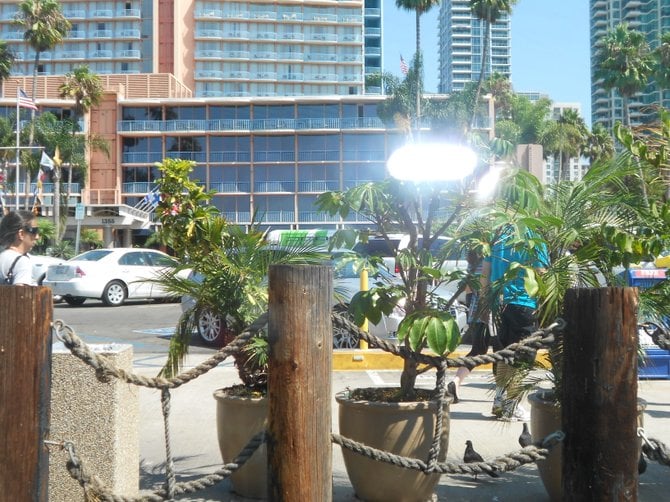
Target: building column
127, 238
107, 236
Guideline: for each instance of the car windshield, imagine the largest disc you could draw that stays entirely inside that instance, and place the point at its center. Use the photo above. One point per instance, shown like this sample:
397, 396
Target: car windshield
94, 255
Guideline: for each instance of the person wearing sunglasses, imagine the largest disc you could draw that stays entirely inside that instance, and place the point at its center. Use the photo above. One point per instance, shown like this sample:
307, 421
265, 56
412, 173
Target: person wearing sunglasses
18, 235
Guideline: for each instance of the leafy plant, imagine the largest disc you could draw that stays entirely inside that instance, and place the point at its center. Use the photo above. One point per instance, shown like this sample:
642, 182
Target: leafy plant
232, 262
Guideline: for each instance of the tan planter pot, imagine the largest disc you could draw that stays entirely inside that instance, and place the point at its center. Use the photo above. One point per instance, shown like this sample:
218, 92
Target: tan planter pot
545, 418
238, 420
402, 428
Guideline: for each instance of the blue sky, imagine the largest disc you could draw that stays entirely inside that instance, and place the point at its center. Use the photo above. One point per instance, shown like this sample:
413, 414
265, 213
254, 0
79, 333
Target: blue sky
550, 47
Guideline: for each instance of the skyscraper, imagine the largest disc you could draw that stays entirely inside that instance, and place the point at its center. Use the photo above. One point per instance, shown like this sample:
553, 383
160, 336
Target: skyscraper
651, 17
218, 48
461, 38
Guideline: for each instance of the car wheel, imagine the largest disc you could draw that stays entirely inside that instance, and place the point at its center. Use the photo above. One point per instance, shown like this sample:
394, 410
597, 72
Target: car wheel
342, 337
114, 294
211, 327
74, 300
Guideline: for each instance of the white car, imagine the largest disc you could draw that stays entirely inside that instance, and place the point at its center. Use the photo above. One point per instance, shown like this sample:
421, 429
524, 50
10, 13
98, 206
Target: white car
40, 264
112, 275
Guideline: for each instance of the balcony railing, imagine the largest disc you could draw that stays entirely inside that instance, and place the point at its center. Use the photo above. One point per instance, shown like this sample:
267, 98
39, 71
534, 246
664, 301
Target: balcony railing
230, 186
274, 186
318, 186
142, 157
316, 216
277, 216
273, 156
230, 157
143, 187
249, 125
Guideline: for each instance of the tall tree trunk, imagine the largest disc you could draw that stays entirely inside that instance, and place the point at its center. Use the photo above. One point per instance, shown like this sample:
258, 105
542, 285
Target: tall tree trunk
626, 121
32, 131
480, 81
418, 72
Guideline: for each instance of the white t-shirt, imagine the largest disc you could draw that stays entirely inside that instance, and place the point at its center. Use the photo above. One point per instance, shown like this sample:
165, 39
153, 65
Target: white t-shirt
23, 270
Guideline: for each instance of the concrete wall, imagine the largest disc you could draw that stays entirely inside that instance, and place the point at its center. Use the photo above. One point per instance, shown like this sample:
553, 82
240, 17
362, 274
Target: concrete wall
101, 419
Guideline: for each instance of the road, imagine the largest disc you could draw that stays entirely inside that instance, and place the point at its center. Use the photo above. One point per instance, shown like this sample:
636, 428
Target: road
146, 325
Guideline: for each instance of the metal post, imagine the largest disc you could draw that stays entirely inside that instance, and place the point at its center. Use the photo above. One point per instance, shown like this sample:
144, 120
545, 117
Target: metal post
362, 344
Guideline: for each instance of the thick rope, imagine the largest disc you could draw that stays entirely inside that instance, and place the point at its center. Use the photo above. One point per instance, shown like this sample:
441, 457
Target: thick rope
93, 484
170, 480
105, 369
508, 462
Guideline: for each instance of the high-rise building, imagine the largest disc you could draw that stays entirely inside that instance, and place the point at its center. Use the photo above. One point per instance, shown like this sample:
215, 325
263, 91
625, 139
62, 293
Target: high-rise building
461, 39
217, 48
651, 17
184, 79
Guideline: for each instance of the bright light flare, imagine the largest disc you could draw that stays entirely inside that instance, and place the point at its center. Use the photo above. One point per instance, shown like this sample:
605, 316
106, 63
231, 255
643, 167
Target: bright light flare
431, 162
488, 183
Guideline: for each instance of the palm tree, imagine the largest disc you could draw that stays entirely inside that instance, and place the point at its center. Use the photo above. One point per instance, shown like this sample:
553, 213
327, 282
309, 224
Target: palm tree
624, 63
6, 61
488, 11
599, 144
45, 27
419, 7
564, 138
661, 57
85, 87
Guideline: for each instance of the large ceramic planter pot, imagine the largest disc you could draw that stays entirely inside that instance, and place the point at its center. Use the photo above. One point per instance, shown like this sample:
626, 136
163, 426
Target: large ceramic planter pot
545, 418
402, 428
238, 420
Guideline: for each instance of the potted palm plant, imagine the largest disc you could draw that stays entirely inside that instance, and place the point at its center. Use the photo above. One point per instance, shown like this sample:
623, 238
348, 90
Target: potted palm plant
594, 229
402, 419
231, 264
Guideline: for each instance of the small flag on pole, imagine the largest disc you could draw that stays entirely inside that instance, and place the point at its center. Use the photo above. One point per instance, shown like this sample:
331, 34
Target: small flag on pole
46, 162
151, 200
404, 69
25, 101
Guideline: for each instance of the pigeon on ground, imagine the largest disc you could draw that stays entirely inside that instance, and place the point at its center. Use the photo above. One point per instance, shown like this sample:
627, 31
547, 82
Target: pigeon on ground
471, 456
525, 438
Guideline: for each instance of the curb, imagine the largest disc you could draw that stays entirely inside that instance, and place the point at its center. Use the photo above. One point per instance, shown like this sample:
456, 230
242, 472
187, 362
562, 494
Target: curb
377, 359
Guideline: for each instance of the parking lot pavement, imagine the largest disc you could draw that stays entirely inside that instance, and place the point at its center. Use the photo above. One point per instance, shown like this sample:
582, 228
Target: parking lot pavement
195, 446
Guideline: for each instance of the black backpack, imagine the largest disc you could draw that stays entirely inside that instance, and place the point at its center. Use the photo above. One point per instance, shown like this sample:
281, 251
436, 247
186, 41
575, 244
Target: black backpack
10, 275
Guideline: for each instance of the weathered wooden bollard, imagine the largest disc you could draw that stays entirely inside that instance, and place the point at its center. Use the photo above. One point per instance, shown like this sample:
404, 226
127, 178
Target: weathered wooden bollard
599, 397
299, 383
25, 391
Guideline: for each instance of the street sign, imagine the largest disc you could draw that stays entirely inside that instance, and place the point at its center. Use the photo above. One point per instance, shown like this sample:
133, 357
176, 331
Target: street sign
79, 211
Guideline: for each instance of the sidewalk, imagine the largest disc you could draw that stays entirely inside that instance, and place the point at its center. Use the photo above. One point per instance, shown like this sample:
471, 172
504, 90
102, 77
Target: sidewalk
195, 447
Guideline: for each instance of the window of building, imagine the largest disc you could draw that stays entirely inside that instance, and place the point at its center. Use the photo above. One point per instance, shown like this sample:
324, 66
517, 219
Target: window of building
318, 147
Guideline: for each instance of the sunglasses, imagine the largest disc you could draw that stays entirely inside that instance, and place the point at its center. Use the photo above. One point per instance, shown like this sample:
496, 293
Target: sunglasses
32, 230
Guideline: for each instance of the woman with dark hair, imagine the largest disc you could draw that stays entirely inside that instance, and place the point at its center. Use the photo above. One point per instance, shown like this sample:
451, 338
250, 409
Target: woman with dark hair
18, 235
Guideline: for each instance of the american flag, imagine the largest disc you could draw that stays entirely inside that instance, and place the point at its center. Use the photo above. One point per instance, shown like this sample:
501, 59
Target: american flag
25, 101
404, 69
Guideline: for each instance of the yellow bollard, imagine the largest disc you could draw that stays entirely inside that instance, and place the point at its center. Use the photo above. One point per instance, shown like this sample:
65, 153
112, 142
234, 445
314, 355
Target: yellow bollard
362, 344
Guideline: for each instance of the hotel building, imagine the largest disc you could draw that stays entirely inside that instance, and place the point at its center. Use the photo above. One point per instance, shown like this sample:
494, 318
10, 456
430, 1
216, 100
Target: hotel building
651, 17
461, 42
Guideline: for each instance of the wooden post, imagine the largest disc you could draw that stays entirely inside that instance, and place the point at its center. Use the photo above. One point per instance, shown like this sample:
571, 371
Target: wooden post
25, 391
299, 383
599, 395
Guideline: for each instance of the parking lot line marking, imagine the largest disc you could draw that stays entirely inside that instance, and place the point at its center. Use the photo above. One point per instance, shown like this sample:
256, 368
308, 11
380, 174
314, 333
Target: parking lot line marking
375, 377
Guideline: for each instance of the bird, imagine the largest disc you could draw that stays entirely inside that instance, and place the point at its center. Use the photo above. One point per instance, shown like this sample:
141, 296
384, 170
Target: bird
471, 456
525, 438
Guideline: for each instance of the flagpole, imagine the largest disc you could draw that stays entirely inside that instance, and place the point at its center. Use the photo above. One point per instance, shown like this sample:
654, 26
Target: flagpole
18, 145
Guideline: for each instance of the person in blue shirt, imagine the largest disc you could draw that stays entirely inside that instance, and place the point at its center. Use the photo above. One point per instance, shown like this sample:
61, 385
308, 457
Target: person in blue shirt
516, 308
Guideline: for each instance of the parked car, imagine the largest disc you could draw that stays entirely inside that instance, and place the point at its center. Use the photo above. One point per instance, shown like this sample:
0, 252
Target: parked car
211, 327
111, 275
40, 264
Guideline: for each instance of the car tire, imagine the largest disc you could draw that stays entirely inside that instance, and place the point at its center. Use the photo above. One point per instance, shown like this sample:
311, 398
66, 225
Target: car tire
212, 328
74, 300
342, 337
115, 294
